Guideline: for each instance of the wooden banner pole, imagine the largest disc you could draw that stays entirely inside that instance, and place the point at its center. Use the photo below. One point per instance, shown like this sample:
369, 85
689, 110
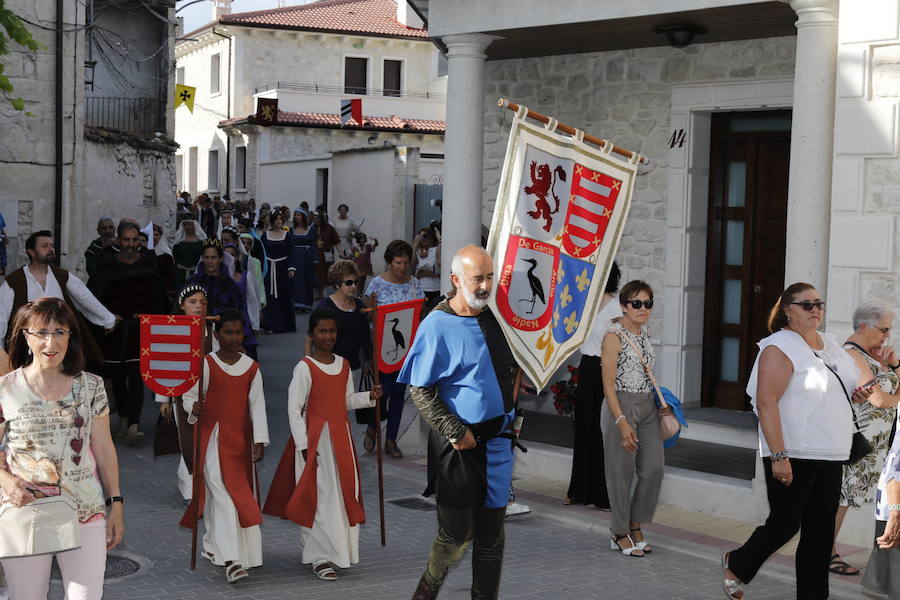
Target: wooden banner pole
376, 353
197, 469
204, 332
504, 103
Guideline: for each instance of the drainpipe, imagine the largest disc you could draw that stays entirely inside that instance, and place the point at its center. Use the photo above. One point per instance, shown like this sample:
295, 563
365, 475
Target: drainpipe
227, 116
58, 195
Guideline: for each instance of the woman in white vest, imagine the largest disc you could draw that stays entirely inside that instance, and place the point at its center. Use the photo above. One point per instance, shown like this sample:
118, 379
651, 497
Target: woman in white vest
800, 389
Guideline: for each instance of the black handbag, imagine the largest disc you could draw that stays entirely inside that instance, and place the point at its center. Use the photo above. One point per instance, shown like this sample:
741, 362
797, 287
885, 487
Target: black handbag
859, 446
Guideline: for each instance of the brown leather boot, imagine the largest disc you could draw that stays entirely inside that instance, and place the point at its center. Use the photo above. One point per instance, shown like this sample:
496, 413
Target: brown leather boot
424, 591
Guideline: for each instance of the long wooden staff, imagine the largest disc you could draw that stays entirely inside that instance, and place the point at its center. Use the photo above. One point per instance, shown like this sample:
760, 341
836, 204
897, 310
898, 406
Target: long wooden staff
376, 352
198, 468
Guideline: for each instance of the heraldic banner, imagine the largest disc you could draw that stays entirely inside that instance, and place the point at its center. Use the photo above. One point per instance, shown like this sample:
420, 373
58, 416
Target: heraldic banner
557, 222
170, 352
395, 328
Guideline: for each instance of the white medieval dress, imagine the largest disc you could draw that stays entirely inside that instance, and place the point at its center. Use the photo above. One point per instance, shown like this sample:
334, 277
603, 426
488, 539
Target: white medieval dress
337, 502
225, 539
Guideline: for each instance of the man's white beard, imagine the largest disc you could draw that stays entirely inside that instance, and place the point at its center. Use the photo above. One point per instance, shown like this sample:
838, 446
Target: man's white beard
474, 302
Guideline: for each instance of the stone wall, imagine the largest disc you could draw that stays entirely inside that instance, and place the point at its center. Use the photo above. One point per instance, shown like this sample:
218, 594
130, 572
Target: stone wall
623, 96
27, 143
121, 180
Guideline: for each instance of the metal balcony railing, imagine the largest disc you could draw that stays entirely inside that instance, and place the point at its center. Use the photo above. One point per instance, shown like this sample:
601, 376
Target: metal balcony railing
130, 115
318, 88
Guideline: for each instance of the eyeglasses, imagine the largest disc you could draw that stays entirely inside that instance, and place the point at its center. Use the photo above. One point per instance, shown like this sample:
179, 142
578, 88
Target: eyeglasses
349, 282
884, 330
46, 335
808, 306
636, 304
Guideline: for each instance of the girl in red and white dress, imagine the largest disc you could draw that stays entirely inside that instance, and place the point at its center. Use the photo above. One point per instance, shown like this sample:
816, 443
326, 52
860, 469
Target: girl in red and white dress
322, 494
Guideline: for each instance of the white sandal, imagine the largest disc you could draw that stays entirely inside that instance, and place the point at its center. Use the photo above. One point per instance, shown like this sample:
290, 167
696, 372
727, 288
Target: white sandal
235, 572
731, 586
324, 571
632, 550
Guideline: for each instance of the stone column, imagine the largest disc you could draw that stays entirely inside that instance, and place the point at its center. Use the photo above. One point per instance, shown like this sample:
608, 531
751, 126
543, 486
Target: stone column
463, 146
812, 141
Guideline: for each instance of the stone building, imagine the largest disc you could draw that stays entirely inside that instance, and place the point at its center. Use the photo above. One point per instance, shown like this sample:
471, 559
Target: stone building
771, 128
99, 141
308, 58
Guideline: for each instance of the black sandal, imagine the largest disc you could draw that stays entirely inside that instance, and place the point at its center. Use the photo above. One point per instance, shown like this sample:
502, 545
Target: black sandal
838, 566
368, 441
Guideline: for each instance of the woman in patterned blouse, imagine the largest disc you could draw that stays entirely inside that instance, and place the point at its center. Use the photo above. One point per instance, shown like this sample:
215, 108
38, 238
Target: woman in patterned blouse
872, 322
54, 420
632, 440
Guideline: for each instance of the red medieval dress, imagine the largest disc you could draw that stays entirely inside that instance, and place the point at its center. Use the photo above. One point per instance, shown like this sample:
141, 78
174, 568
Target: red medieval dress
323, 495
233, 419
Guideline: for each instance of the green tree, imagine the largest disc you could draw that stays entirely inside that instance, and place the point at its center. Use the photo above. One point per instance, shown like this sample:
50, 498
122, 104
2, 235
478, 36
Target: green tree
12, 28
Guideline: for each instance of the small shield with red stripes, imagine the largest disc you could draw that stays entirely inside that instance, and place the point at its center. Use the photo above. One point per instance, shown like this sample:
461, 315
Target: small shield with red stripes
171, 348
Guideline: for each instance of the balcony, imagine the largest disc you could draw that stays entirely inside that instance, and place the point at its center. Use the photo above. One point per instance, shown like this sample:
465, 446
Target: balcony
129, 115
319, 98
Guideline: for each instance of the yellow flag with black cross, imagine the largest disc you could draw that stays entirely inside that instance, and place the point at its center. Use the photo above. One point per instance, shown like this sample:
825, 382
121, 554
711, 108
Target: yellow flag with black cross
184, 94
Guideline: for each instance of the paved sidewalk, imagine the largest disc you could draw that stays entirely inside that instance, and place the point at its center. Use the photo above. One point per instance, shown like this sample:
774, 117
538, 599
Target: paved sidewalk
554, 552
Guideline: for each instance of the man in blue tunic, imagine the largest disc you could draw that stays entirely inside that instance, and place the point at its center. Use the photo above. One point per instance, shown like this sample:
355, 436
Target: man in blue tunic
461, 374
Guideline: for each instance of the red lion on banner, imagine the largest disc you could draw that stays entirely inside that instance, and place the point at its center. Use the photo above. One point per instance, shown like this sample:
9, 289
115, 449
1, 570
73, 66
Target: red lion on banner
542, 183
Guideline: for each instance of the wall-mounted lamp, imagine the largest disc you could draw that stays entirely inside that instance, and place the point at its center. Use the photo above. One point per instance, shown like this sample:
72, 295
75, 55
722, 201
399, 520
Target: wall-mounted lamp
372, 139
680, 36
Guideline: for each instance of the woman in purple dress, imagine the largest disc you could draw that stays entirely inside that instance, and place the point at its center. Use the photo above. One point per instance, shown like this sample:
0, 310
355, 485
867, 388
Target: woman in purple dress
221, 290
304, 255
248, 300
278, 315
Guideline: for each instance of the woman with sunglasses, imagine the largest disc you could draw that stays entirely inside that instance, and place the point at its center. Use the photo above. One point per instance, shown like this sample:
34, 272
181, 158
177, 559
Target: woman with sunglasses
872, 323
354, 338
54, 420
799, 388
629, 421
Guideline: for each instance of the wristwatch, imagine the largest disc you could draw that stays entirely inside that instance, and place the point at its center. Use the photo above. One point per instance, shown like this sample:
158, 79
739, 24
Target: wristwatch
892, 507
112, 499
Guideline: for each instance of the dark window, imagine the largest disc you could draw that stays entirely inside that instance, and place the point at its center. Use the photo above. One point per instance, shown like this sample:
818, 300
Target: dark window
240, 167
356, 71
392, 77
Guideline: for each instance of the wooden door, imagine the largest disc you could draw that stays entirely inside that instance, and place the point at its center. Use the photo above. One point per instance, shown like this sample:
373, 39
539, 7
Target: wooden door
749, 163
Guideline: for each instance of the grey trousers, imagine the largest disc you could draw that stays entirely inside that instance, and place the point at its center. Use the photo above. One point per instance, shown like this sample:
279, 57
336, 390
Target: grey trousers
621, 465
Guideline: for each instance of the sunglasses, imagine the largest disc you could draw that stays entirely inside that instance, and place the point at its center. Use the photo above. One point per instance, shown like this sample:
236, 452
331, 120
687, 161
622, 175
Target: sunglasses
636, 304
808, 306
349, 282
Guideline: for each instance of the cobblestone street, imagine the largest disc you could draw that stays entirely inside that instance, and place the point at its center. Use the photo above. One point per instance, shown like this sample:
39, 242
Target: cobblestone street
548, 554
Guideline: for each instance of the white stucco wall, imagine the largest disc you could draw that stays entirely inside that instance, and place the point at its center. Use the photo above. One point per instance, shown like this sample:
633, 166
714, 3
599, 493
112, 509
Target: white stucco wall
260, 57
268, 55
282, 161
465, 16
377, 185
200, 128
865, 239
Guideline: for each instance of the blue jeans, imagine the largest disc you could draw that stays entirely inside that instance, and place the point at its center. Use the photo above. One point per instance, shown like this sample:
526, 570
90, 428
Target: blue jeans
394, 393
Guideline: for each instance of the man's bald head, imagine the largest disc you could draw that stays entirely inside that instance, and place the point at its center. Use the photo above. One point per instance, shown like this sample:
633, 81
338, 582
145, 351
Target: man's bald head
472, 274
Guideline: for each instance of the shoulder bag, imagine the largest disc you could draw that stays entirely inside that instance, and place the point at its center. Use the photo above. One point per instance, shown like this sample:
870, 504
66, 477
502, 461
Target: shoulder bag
668, 424
43, 526
859, 446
